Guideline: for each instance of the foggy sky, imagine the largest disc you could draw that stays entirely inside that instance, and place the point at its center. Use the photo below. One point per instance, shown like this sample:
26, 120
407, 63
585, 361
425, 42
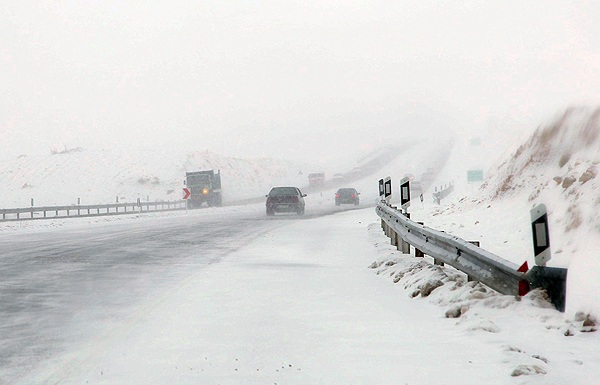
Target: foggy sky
293, 79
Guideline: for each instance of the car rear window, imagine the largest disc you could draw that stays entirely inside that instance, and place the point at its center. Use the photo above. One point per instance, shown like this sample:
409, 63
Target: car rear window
283, 191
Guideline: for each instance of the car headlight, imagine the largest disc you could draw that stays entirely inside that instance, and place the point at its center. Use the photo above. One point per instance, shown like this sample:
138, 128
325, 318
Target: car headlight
205, 191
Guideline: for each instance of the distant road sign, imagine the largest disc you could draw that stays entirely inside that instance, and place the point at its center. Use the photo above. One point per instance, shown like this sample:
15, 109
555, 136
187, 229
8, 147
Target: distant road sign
474, 175
186, 193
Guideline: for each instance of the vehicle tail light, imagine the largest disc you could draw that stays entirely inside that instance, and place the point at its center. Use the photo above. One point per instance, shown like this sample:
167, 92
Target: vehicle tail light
337, 195
353, 196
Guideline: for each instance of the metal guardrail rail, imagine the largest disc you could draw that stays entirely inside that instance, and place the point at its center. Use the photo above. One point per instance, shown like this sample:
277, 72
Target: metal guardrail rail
479, 264
55, 212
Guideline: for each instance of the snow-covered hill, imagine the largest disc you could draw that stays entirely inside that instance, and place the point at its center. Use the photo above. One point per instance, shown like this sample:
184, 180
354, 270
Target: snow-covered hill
557, 165
99, 176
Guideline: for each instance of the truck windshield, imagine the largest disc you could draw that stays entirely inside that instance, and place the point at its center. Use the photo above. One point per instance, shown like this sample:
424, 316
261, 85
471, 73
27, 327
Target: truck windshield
198, 179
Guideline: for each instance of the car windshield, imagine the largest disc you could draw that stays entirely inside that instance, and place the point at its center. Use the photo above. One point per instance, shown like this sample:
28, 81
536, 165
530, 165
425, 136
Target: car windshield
283, 191
346, 191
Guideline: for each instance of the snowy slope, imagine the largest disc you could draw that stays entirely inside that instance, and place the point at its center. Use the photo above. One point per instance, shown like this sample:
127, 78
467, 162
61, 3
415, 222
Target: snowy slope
100, 176
557, 165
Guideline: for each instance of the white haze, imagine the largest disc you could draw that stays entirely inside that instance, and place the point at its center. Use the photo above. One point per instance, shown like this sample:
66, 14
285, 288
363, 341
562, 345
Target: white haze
300, 80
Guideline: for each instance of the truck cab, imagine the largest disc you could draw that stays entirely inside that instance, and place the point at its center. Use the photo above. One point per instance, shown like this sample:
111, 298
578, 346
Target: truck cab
204, 186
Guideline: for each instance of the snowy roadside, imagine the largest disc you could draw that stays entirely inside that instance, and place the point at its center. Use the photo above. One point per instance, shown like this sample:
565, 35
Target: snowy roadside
300, 305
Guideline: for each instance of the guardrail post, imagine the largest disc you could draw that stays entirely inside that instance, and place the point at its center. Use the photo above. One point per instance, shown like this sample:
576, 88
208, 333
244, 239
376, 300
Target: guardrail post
478, 244
406, 245
419, 253
551, 279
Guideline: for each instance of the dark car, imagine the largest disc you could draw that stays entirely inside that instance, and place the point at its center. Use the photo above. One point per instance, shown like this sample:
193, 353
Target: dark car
285, 200
347, 196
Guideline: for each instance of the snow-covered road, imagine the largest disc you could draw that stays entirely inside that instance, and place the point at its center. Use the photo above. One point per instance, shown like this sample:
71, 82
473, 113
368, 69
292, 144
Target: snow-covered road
298, 305
62, 286
289, 301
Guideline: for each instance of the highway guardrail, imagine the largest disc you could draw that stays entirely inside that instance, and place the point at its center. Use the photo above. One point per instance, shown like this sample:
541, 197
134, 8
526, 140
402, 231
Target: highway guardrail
478, 264
54, 212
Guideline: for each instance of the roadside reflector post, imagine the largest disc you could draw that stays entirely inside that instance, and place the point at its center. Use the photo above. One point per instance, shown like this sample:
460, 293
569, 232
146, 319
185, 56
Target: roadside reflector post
541, 235
551, 279
405, 194
404, 204
387, 189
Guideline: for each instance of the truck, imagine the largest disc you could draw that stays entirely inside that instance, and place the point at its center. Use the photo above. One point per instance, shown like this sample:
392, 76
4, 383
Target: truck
204, 186
316, 179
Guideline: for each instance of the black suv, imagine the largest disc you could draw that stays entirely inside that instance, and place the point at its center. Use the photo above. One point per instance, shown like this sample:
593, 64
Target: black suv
348, 196
285, 200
